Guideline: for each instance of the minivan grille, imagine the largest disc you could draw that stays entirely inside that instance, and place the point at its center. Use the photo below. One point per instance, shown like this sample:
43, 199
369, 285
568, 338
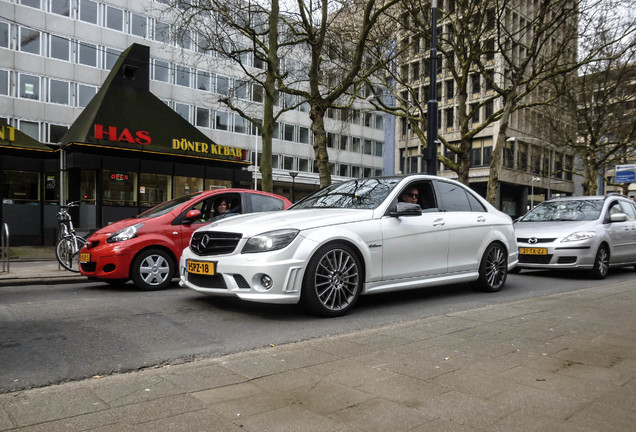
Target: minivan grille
207, 243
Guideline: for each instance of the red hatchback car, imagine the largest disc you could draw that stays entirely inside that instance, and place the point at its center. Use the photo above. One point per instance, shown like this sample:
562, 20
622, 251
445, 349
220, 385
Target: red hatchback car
147, 247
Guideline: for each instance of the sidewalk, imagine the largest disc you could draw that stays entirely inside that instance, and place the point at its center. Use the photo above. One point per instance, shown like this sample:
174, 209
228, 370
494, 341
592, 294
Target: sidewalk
35, 265
565, 362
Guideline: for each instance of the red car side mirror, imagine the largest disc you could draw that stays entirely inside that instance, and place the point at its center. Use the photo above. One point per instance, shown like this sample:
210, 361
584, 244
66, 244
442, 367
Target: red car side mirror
191, 216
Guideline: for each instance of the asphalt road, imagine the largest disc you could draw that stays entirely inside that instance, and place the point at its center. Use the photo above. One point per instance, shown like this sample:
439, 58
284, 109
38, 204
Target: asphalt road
56, 333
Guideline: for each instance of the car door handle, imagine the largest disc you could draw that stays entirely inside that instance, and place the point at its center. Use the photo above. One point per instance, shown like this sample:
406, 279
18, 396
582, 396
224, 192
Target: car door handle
481, 219
175, 232
439, 222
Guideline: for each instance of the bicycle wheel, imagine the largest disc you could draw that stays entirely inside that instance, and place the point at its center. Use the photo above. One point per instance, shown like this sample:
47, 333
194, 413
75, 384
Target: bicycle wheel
67, 252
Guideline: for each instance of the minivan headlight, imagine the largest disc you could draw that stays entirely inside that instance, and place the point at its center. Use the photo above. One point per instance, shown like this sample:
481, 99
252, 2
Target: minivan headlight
125, 234
270, 241
577, 236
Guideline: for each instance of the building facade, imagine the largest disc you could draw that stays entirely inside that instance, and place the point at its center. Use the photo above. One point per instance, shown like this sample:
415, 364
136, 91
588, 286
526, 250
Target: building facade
532, 162
55, 56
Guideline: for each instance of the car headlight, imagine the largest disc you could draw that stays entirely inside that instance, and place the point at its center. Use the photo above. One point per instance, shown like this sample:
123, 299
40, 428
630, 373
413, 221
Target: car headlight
577, 236
125, 234
270, 241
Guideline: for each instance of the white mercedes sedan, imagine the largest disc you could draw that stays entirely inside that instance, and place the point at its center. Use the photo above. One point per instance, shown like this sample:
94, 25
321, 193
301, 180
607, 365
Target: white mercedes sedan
362, 236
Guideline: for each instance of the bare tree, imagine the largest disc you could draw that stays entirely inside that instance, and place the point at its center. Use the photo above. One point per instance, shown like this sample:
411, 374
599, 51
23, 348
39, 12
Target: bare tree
244, 35
602, 97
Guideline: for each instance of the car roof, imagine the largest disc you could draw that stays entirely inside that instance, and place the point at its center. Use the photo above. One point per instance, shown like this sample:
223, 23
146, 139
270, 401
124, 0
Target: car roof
587, 198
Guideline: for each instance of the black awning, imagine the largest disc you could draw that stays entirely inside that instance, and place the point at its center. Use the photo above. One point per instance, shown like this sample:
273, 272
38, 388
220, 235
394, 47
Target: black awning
125, 115
12, 138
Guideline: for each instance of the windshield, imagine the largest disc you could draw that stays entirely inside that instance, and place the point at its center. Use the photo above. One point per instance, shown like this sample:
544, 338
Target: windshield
575, 210
354, 194
166, 207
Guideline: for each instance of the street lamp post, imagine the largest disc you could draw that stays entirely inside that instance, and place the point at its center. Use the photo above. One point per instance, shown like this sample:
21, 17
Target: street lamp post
534, 179
293, 175
431, 136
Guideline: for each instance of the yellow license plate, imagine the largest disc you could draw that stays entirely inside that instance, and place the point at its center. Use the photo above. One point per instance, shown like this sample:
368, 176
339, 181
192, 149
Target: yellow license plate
533, 251
198, 267
85, 257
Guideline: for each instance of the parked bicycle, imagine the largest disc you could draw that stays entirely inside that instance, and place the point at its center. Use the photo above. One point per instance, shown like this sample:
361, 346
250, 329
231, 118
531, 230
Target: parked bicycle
69, 244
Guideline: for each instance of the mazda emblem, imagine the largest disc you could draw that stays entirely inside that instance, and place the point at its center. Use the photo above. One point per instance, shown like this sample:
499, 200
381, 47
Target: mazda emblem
533, 240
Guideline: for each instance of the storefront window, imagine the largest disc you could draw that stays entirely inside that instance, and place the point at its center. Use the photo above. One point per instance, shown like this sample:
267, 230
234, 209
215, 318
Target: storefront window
211, 184
51, 188
187, 185
87, 186
119, 188
154, 189
20, 187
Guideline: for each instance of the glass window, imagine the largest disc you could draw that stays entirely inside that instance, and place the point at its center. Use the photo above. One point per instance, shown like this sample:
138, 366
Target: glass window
222, 85
183, 110
203, 80
32, 129
453, 197
4, 82
112, 55
288, 132
154, 189
161, 71
303, 165
59, 92
162, 32
60, 48
186, 185
303, 135
355, 171
263, 203
240, 124
56, 132
88, 182
51, 188
31, 3
114, 18
88, 11
87, 54
184, 39
257, 93
212, 184
61, 7
379, 121
182, 74
203, 117
288, 162
222, 120
29, 40
29, 87
85, 94
138, 25
343, 170
119, 188
241, 90
4, 35
355, 145
379, 148
367, 148
20, 187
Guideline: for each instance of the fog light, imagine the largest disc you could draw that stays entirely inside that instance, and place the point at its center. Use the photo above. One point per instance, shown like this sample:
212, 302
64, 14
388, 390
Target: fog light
266, 281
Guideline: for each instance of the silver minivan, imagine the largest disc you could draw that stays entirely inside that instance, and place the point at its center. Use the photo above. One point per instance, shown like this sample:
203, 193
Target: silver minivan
592, 233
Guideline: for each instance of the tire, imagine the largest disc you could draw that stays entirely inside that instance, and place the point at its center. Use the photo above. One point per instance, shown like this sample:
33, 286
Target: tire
493, 268
601, 263
67, 252
152, 269
332, 281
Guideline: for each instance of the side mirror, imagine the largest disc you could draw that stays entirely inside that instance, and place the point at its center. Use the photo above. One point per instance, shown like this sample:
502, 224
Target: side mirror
192, 215
406, 209
618, 217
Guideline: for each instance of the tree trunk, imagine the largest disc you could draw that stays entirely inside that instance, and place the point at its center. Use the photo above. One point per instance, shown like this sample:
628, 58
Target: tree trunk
317, 115
497, 151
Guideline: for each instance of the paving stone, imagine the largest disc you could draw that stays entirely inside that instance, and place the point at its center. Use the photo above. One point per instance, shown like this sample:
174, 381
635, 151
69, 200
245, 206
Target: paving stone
380, 415
132, 388
198, 421
222, 394
144, 412
327, 397
295, 418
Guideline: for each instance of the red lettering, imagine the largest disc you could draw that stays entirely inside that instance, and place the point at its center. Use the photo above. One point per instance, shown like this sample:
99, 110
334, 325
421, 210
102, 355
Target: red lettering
110, 134
99, 132
143, 138
126, 136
